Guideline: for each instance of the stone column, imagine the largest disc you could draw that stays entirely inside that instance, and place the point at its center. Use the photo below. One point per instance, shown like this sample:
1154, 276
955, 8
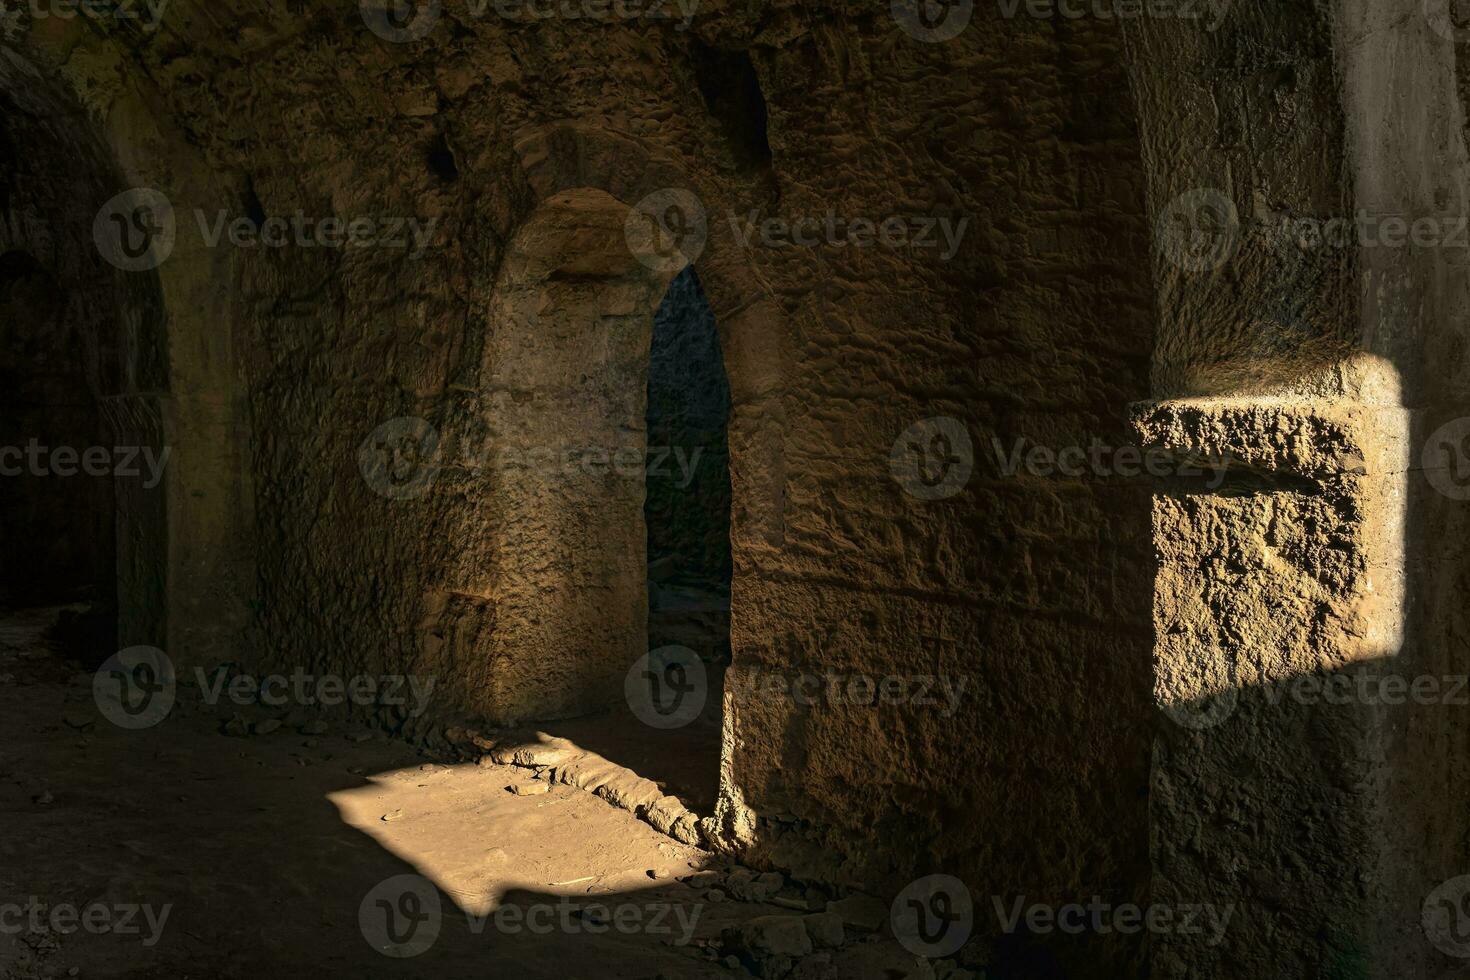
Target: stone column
1277, 611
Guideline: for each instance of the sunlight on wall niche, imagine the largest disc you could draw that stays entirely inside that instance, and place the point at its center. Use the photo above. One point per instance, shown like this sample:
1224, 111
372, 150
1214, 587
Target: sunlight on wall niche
1242, 602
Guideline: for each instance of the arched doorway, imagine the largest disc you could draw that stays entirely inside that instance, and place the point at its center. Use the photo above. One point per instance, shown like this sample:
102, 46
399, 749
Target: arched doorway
83, 381
687, 508
59, 516
602, 458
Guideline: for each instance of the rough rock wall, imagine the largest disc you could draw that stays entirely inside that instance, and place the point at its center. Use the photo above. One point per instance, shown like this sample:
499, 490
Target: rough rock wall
1271, 588
1316, 141
1405, 87
1038, 324
559, 461
1031, 589
1021, 585
100, 138
1243, 134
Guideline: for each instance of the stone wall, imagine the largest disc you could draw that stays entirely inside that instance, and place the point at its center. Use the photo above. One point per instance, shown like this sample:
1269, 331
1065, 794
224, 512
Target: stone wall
1293, 599
879, 394
1032, 321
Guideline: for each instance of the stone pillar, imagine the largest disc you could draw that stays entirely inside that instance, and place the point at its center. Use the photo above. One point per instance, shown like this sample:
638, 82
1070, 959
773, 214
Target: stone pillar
1277, 605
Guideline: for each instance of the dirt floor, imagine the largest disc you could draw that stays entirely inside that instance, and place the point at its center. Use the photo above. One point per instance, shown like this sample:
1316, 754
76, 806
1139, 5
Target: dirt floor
306, 853
684, 761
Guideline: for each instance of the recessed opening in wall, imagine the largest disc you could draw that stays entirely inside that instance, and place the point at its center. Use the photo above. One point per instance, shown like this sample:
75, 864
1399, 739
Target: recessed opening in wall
687, 509
254, 210
49, 421
440, 160
731, 89
687, 506
606, 411
686, 517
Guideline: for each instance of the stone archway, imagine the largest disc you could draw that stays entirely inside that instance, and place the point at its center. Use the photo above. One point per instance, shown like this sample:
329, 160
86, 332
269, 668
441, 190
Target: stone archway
584, 271
564, 385
86, 382
154, 334
48, 404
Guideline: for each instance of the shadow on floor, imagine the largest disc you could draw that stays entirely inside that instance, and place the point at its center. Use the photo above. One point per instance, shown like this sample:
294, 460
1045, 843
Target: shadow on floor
270, 855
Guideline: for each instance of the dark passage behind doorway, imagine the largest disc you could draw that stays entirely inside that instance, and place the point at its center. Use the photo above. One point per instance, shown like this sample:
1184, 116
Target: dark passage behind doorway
687, 510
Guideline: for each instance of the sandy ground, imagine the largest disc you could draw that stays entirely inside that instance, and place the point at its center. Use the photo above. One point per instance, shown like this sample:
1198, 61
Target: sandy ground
198, 854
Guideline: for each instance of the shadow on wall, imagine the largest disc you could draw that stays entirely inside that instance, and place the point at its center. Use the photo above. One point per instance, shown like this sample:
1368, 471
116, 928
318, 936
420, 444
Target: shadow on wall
563, 406
686, 510
47, 404
1321, 309
83, 381
1312, 655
